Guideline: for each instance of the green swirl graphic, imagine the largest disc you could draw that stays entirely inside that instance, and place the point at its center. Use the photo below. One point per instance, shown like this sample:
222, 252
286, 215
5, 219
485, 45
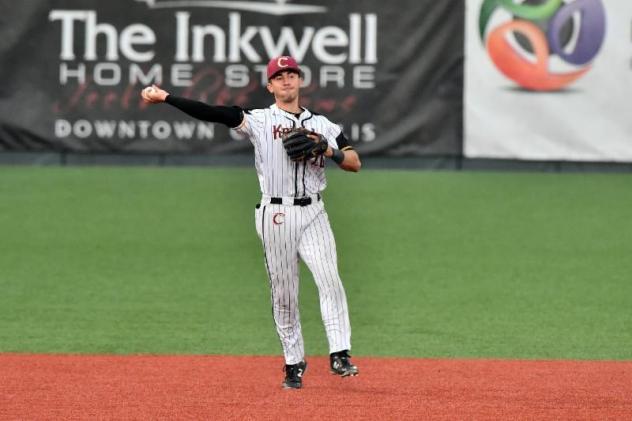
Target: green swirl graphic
531, 12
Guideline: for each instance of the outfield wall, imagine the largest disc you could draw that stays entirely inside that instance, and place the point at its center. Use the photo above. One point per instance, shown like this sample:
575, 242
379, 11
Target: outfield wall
453, 84
444, 163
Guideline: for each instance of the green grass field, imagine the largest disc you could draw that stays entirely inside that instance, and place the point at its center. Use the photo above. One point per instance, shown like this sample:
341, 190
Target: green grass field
436, 264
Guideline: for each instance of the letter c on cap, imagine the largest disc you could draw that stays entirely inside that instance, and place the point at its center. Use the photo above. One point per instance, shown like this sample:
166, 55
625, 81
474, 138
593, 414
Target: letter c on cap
281, 61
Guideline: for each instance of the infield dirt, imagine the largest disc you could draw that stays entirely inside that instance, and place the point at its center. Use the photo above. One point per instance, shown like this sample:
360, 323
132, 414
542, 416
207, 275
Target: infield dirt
218, 387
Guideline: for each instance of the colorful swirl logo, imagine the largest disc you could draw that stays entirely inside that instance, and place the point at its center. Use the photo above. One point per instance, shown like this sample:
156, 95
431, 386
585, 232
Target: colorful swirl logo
542, 37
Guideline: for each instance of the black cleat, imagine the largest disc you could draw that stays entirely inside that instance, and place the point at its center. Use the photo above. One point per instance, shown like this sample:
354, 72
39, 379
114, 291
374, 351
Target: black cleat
294, 375
341, 364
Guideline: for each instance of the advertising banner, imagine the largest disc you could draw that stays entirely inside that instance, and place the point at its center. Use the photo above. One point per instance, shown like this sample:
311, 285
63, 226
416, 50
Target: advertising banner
73, 70
548, 80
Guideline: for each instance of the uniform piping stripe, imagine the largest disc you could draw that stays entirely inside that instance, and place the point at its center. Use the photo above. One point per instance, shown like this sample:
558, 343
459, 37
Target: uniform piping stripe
296, 179
265, 257
305, 162
304, 168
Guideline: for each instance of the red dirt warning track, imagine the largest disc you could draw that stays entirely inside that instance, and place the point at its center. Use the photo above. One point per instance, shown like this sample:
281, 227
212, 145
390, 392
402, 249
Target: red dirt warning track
216, 387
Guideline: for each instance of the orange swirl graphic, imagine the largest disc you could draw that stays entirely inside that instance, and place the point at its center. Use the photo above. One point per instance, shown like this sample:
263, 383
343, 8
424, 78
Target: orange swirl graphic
530, 75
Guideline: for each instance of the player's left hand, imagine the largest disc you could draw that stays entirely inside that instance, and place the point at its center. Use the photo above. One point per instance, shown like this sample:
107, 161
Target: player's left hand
302, 144
153, 94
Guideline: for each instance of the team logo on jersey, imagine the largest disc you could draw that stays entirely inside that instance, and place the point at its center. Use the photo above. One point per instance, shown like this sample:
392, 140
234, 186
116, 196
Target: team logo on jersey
545, 44
279, 131
278, 218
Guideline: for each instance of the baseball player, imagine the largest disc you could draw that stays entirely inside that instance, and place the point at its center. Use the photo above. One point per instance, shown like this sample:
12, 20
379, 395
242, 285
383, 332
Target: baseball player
291, 145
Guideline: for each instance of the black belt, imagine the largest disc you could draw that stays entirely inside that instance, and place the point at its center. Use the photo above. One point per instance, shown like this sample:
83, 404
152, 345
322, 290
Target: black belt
298, 201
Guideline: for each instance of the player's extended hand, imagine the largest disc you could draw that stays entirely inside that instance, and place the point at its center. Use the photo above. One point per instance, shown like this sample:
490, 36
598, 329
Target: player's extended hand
153, 94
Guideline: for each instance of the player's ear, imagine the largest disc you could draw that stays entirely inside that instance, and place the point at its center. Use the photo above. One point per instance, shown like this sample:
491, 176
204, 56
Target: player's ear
269, 86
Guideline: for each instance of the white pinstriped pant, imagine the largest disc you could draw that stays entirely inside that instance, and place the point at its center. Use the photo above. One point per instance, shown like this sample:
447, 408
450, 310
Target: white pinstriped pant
290, 232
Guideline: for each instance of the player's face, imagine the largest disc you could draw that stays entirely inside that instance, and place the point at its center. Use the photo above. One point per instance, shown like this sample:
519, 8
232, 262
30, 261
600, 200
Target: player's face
284, 86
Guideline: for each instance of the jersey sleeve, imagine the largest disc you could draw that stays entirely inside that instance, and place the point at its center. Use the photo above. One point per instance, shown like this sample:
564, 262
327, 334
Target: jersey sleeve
252, 124
336, 138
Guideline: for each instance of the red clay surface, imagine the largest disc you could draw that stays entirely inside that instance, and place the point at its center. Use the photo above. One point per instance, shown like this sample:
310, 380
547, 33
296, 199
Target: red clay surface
214, 387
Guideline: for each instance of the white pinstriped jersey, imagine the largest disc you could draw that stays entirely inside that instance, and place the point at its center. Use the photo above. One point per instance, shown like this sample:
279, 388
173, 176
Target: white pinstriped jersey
288, 232
278, 176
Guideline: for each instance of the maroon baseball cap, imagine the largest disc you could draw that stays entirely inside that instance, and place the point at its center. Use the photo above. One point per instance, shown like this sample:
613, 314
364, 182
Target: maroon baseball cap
281, 63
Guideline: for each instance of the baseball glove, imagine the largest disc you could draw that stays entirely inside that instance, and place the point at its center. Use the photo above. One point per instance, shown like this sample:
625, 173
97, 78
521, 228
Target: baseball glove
302, 144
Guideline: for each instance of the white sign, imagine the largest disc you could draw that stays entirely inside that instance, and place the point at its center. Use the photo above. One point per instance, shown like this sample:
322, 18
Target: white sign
551, 81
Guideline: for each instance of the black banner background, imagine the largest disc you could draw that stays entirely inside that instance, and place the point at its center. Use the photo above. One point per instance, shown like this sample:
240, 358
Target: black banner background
414, 108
